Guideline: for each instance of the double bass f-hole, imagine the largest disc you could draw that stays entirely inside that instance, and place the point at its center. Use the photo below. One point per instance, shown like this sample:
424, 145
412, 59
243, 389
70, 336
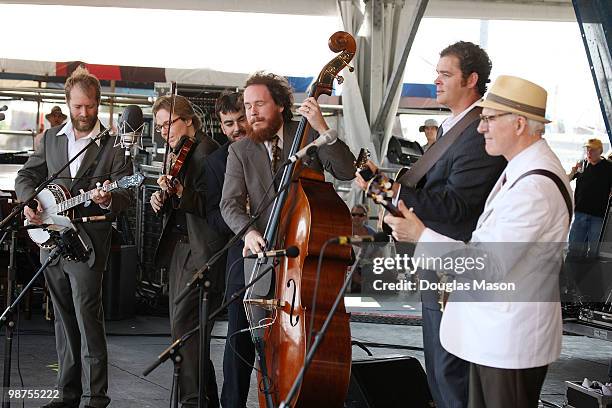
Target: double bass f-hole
293, 321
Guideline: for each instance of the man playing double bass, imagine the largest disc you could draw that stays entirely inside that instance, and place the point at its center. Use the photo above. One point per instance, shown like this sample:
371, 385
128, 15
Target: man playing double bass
187, 241
253, 161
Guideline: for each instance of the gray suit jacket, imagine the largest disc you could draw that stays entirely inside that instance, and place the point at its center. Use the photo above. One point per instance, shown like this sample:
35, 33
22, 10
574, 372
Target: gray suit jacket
51, 155
248, 173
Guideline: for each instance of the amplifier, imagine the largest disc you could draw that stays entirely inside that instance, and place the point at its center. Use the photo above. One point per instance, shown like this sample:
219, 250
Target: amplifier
119, 284
390, 382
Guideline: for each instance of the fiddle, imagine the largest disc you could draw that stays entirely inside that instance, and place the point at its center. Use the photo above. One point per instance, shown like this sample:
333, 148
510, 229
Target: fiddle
181, 153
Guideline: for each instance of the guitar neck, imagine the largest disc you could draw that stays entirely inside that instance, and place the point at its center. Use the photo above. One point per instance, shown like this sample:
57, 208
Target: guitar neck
84, 197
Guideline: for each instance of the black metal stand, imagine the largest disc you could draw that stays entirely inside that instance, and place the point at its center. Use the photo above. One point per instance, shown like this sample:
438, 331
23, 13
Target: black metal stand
68, 245
204, 336
204, 345
10, 325
7, 320
176, 359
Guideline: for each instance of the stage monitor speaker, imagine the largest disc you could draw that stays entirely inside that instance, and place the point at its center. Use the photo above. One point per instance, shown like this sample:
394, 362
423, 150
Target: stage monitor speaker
119, 285
388, 383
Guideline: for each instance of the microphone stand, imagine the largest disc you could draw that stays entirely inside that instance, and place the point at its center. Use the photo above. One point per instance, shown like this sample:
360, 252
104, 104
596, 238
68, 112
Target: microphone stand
199, 280
320, 335
173, 351
62, 248
10, 325
5, 225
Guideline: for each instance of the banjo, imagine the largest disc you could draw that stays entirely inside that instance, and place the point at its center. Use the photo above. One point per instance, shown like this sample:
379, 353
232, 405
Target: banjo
57, 205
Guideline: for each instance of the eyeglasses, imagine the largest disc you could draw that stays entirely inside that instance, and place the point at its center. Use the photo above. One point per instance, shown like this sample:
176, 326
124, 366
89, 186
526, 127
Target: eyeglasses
357, 215
487, 118
166, 125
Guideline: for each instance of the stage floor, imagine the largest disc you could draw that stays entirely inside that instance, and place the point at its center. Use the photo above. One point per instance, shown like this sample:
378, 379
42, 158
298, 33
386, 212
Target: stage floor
134, 343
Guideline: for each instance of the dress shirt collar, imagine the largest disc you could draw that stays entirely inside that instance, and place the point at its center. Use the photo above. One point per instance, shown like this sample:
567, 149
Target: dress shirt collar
268, 143
452, 120
523, 162
68, 130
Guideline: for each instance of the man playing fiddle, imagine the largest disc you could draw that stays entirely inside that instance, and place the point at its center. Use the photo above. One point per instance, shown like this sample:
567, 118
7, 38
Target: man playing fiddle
187, 241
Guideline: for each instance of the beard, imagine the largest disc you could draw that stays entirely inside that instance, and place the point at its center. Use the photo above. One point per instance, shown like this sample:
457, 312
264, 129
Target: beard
84, 123
265, 133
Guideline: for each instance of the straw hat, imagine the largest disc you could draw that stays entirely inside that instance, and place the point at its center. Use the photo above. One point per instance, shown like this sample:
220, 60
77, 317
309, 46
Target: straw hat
594, 144
56, 111
517, 95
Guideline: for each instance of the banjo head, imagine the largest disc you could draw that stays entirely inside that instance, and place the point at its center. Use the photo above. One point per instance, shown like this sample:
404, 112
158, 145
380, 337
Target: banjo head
49, 199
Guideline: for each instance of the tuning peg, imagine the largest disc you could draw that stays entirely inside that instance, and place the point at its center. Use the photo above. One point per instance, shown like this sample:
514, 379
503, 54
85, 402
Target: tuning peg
351, 69
340, 79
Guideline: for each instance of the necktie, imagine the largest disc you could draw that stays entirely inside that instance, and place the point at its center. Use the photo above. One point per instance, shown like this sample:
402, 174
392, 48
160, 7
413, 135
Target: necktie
276, 154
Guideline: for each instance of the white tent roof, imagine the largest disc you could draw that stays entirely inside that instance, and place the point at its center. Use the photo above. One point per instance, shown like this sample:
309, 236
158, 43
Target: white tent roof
543, 10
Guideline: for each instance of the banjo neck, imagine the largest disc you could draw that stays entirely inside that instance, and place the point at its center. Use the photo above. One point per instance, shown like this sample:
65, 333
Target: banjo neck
84, 197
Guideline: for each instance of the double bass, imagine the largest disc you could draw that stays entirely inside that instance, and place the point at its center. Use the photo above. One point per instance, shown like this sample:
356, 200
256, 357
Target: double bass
306, 215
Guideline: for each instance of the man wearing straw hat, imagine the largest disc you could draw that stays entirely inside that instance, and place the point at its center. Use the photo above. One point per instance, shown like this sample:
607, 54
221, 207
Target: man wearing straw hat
593, 185
509, 345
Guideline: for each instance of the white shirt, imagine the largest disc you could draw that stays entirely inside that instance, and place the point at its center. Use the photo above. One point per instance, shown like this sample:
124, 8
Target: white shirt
451, 121
76, 145
513, 335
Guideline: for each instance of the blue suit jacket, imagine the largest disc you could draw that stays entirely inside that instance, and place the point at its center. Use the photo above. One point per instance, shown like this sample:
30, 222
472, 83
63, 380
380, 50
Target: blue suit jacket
214, 169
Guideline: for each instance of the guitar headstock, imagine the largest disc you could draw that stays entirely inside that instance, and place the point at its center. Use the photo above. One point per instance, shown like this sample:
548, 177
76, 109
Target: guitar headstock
361, 164
134, 180
362, 159
380, 189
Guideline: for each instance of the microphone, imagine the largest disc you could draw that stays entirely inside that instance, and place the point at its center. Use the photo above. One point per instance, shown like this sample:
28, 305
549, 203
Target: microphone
130, 125
356, 239
290, 252
95, 218
311, 148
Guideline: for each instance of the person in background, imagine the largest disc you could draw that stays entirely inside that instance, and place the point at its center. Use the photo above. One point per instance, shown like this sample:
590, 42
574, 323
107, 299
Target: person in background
239, 352
430, 128
55, 118
359, 217
593, 186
